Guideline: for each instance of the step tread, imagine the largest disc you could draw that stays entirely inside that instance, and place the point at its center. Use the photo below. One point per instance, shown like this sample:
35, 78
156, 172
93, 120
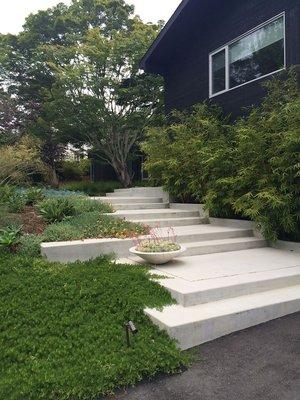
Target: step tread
177, 315
163, 219
129, 198
142, 204
185, 287
163, 211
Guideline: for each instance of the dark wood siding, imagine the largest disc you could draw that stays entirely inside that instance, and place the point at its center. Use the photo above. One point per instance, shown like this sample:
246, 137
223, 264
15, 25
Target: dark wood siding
187, 73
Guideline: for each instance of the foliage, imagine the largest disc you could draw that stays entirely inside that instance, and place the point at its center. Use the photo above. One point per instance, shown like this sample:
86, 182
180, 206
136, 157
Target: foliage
92, 188
266, 186
92, 225
12, 119
62, 329
74, 72
84, 205
163, 246
34, 195
186, 155
250, 169
16, 202
50, 193
20, 162
74, 170
9, 237
55, 209
30, 245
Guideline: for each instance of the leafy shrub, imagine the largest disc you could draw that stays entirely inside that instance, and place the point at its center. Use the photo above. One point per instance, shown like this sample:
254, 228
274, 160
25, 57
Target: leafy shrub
9, 237
93, 189
250, 169
74, 170
6, 191
188, 154
34, 195
56, 209
16, 202
19, 162
266, 185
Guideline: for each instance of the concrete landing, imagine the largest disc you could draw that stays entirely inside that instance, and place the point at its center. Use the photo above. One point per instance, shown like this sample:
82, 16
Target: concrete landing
222, 293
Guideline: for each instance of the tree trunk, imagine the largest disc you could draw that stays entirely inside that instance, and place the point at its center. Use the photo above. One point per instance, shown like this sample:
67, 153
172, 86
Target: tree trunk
123, 174
54, 181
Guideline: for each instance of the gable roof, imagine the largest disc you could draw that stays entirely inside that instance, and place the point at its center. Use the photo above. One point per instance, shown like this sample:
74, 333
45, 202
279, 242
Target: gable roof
163, 33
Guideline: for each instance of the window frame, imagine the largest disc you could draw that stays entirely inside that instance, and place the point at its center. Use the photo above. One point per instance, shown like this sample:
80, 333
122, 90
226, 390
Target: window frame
226, 48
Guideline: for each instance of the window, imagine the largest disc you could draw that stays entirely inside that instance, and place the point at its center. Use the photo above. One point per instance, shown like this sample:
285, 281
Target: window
256, 54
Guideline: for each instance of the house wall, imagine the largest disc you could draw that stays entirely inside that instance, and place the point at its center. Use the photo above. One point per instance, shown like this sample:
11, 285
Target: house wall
187, 73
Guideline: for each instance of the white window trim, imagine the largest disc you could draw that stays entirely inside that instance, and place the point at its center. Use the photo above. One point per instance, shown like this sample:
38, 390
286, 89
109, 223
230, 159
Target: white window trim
226, 48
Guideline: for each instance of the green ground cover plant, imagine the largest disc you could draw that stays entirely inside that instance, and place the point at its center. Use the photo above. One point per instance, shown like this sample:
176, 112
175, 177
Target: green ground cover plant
62, 330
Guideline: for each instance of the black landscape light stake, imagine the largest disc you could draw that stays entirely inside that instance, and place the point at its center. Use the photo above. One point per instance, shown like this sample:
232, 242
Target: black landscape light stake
129, 328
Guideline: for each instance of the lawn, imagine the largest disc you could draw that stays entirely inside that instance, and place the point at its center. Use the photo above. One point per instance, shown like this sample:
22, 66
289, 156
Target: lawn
62, 334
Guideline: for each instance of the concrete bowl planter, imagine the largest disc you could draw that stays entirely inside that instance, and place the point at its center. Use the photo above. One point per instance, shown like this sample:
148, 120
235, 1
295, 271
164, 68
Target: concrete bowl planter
158, 258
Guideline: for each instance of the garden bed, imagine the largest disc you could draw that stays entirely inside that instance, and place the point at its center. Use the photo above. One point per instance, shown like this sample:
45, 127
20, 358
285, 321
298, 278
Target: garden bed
30, 217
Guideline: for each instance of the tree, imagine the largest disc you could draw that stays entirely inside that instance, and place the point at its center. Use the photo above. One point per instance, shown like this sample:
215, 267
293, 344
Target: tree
79, 65
102, 98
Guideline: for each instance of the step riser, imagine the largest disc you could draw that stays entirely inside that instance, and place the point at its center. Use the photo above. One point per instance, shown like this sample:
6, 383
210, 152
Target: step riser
158, 215
201, 237
207, 296
129, 194
223, 248
150, 206
171, 223
194, 334
147, 200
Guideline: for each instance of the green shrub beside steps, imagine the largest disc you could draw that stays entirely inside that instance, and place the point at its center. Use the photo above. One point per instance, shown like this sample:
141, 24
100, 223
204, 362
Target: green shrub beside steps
249, 169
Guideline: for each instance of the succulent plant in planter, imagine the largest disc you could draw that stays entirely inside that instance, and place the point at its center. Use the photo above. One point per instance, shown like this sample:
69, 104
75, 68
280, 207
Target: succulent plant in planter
163, 246
159, 248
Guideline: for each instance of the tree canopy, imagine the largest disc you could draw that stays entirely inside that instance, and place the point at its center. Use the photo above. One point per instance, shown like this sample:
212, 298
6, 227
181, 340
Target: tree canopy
74, 73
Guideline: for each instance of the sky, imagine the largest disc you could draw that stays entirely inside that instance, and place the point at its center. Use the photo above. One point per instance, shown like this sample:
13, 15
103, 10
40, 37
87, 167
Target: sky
14, 12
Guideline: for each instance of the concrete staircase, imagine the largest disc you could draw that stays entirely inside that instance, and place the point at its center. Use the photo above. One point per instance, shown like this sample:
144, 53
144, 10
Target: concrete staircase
228, 279
150, 206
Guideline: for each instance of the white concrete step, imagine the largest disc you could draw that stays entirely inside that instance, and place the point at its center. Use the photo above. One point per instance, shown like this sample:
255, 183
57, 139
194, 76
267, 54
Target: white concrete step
155, 214
141, 206
192, 293
128, 200
170, 222
223, 245
192, 326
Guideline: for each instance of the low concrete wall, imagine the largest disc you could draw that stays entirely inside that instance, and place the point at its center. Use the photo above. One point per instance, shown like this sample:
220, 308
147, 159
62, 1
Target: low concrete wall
83, 250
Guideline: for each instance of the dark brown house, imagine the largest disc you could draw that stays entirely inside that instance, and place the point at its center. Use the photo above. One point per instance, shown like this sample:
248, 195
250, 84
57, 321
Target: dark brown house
222, 50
